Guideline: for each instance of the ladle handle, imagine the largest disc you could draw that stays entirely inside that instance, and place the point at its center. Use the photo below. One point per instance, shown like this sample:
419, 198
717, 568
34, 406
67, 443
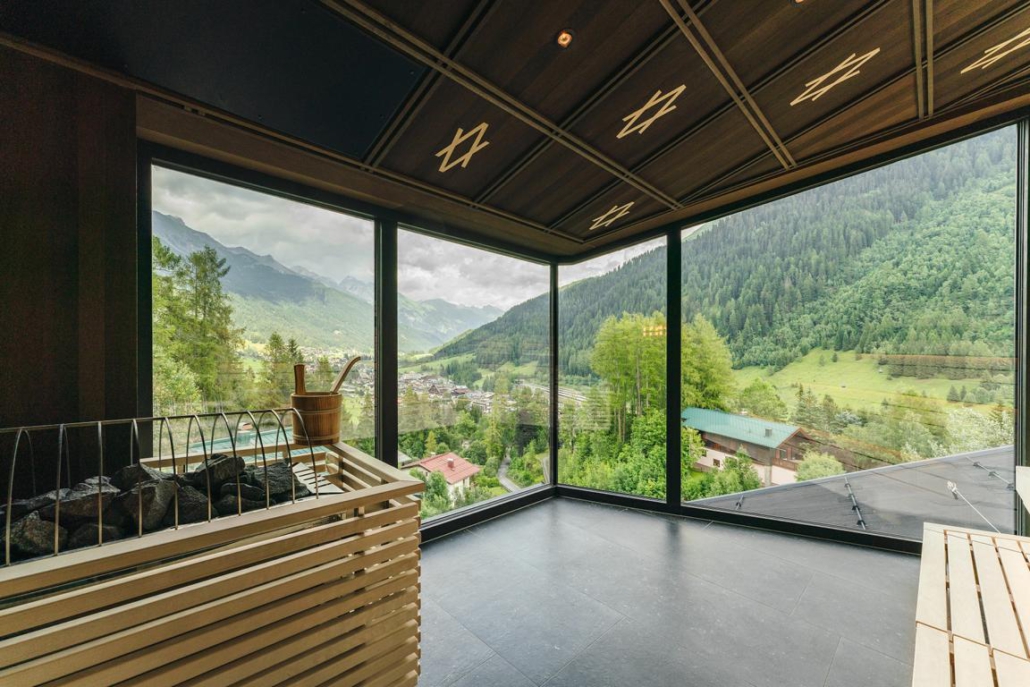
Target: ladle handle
343, 373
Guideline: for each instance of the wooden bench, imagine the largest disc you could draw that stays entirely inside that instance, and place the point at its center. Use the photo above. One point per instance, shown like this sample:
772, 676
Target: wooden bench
973, 610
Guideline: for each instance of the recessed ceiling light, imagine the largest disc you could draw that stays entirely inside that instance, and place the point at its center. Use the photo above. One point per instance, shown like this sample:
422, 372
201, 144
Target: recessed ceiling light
564, 38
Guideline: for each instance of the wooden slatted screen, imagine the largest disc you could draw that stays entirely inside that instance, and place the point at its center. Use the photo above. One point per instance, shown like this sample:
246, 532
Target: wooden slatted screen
319, 592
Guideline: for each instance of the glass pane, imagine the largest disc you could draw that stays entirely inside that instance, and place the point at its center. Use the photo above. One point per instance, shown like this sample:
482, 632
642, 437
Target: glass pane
473, 336
247, 284
849, 351
611, 348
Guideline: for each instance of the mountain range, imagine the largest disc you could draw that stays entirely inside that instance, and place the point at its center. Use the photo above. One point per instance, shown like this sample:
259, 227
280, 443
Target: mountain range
914, 258
314, 309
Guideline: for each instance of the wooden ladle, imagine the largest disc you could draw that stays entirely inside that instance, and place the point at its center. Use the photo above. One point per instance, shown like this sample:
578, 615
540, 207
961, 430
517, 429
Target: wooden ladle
343, 374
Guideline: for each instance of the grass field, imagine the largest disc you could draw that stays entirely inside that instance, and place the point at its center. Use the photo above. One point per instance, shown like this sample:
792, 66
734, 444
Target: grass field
526, 371
855, 383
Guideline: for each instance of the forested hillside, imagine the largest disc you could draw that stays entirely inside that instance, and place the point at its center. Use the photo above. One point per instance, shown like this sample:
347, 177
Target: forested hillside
913, 259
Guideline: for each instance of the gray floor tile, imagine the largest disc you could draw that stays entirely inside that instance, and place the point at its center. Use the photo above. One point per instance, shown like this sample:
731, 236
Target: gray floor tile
572, 593
856, 666
632, 654
496, 672
881, 621
767, 579
867, 567
449, 650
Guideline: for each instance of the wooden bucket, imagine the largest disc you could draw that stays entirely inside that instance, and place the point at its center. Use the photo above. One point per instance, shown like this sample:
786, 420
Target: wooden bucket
321, 413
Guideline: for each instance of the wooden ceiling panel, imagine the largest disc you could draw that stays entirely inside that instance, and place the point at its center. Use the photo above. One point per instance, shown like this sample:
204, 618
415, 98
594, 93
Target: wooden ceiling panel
759, 37
667, 96
550, 79
722, 145
985, 59
841, 72
436, 22
757, 168
953, 19
553, 184
886, 109
621, 206
460, 142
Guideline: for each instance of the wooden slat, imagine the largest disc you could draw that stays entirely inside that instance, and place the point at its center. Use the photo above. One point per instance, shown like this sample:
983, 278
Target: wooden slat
26, 616
109, 646
396, 575
972, 664
1002, 628
126, 615
966, 619
326, 661
1023, 484
1017, 572
406, 653
932, 604
1012, 671
277, 643
392, 678
932, 666
38, 575
392, 629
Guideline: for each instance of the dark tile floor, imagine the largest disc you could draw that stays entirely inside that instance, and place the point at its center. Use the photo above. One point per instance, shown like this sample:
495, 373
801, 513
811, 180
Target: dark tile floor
567, 593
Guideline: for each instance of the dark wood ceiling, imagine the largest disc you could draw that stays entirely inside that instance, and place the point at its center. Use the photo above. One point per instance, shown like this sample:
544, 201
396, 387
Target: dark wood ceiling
659, 112
659, 106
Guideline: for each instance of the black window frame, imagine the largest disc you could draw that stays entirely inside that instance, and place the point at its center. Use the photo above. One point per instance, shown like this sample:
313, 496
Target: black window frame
387, 221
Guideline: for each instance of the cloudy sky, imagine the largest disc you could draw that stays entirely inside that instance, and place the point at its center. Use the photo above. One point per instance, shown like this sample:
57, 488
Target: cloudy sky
335, 245
604, 264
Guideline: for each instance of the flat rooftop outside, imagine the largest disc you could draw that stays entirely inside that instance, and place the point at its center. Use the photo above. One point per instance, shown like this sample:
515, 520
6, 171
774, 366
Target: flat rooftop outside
570, 593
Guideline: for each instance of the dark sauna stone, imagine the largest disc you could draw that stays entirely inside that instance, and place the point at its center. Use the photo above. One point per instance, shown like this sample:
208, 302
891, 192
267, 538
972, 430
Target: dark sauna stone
247, 491
192, 507
220, 468
148, 502
23, 507
86, 535
34, 536
132, 475
280, 480
227, 505
80, 505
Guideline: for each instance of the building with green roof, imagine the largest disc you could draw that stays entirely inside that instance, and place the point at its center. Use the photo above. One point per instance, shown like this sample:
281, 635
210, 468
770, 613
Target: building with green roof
776, 446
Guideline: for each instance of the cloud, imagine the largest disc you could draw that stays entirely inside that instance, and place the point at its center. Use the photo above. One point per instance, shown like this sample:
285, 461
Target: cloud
329, 243
337, 245
605, 263
433, 268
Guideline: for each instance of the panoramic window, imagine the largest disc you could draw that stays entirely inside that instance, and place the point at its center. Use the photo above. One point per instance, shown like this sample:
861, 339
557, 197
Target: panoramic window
848, 352
245, 286
473, 338
612, 389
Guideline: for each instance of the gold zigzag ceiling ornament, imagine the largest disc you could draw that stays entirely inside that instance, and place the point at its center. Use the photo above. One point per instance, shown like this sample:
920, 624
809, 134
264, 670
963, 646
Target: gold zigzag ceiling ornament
460, 137
666, 101
818, 87
617, 212
1001, 50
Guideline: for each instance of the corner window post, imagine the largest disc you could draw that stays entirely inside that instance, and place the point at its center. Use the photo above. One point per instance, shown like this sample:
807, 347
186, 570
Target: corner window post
386, 341
673, 364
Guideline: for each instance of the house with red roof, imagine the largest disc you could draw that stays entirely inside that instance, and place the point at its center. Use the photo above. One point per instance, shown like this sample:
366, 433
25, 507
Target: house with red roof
456, 470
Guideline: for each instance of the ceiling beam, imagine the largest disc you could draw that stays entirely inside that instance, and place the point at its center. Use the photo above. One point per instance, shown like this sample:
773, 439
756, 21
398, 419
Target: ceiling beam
411, 45
427, 86
928, 24
713, 57
856, 19
918, 37
630, 67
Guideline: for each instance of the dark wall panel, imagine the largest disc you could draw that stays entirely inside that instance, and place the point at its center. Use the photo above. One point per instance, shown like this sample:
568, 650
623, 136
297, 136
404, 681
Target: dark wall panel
68, 237
289, 64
